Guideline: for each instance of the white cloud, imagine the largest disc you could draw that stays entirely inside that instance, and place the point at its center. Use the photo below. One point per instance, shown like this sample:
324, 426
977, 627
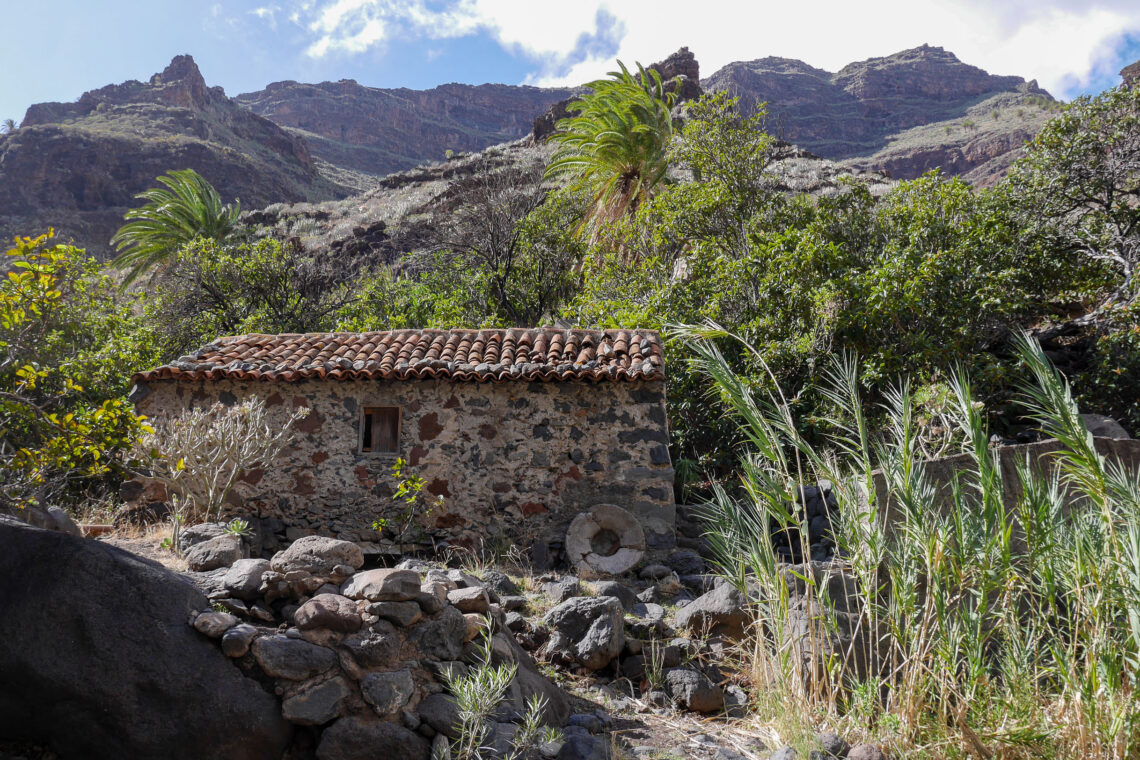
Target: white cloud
1061, 43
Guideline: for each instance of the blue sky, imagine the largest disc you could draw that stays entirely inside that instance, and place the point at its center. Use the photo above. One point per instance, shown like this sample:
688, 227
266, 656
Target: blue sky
57, 49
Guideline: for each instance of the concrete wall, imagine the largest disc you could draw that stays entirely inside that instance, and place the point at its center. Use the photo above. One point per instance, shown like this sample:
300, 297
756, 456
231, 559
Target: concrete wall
514, 462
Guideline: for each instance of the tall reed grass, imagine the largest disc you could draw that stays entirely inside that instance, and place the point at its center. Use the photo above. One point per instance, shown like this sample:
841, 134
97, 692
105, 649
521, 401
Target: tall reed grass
957, 622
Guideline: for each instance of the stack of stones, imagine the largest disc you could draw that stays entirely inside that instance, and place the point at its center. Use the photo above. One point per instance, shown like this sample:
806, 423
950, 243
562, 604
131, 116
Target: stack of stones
358, 657
817, 505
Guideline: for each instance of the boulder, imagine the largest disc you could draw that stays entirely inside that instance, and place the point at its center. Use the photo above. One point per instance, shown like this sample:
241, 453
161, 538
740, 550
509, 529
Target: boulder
318, 555
402, 614
693, 690
292, 659
469, 599
724, 610
110, 667
243, 579
316, 704
196, 534
618, 590
372, 650
562, 589
441, 713
236, 641
328, 611
383, 585
388, 692
442, 638
366, 739
587, 630
214, 624
685, 562
214, 553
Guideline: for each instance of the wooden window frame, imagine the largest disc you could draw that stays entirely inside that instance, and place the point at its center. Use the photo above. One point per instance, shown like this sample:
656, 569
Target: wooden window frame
364, 413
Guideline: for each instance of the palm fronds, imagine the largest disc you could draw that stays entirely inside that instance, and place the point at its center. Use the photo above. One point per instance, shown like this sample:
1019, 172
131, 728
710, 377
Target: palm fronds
187, 207
615, 147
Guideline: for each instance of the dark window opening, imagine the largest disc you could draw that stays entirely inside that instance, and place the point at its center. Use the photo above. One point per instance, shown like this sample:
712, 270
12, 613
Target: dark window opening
380, 430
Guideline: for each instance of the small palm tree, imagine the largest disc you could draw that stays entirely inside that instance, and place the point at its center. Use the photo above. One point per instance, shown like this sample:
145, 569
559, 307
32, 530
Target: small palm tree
8, 126
188, 207
615, 148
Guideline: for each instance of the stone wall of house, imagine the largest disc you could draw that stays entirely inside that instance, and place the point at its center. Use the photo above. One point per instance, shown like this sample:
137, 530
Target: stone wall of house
514, 462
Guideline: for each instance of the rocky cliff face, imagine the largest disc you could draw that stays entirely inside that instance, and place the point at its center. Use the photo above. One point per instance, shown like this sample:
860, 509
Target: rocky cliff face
869, 111
382, 131
77, 166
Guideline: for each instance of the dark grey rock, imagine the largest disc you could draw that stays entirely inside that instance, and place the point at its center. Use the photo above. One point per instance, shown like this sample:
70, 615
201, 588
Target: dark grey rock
293, 659
236, 641
442, 638
500, 583
402, 614
331, 612
578, 744
317, 704
388, 692
832, 744
356, 738
723, 610
449, 669
685, 562
471, 599
618, 590
214, 553
560, 590
512, 603
372, 650
441, 713
100, 670
588, 630
735, 702
693, 690
588, 721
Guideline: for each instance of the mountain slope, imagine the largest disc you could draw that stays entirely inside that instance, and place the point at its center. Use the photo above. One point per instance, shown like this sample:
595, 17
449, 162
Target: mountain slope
379, 131
77, 166
905, 113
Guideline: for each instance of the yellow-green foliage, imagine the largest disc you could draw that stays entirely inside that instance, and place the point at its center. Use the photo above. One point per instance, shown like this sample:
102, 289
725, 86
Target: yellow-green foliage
68, 347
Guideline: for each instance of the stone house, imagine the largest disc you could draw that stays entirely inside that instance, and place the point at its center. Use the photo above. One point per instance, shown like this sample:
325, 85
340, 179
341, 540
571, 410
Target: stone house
518, 430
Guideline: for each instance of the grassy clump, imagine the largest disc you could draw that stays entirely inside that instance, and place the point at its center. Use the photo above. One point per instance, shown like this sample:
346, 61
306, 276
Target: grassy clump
967, 624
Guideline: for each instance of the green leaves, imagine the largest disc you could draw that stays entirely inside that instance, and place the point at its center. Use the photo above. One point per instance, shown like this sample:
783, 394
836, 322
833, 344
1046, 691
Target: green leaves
616, 147
187, 207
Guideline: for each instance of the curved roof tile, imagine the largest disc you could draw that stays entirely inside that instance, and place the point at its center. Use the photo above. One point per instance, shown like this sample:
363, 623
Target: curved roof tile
512, 355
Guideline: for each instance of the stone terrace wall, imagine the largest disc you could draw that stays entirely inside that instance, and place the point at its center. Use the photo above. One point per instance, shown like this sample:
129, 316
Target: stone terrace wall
515, 462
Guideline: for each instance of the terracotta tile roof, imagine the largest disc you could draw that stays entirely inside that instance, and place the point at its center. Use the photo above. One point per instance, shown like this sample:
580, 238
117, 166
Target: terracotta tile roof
548, 354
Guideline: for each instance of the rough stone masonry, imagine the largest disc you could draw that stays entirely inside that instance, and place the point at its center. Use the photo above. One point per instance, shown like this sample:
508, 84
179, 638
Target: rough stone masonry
517, 430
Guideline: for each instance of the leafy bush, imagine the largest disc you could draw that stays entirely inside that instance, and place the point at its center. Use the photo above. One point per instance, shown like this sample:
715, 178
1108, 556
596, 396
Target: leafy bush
213, 289
1009, 630
69, 345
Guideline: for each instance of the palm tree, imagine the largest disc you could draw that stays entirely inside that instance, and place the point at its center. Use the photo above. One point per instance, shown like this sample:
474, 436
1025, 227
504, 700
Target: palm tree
187, 208
8, 126
615, 147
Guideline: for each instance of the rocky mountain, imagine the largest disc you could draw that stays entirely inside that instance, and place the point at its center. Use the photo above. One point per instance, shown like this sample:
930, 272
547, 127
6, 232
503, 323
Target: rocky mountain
380, 131
905, 113
77, 166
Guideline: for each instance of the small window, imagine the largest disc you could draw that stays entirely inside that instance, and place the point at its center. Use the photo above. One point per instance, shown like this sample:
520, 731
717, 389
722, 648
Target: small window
380, 430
